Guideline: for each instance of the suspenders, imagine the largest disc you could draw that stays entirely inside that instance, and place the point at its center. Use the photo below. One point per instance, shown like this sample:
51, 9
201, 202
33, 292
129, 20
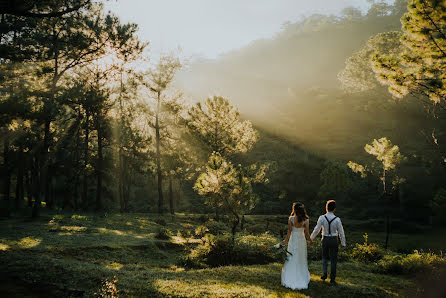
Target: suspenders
329, 223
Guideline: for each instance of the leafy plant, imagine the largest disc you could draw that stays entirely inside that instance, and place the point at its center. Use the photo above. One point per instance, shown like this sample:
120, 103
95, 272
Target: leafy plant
367, 252
108, 288
409, 264
162, 233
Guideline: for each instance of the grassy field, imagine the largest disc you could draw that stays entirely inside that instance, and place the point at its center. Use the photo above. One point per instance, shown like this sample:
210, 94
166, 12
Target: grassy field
71, 255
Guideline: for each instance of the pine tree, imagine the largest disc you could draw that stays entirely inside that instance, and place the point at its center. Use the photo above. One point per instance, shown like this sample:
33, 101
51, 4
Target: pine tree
421, 68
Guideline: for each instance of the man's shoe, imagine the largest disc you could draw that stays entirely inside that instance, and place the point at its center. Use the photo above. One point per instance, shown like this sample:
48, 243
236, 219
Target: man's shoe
332, 281
324, 277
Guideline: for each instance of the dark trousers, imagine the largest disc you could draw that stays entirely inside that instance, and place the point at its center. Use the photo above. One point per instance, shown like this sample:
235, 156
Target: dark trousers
330, 252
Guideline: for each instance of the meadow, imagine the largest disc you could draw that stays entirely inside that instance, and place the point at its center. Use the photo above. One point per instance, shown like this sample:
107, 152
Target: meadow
138, 255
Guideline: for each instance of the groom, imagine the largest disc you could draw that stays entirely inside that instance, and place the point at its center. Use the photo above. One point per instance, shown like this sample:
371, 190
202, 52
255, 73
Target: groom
331, 227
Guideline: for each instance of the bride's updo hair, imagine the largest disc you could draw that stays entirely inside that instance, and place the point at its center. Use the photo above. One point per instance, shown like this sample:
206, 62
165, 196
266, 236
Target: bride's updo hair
299, 211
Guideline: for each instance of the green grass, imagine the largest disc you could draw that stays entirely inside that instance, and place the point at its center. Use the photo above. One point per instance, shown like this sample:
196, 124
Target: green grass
70, 255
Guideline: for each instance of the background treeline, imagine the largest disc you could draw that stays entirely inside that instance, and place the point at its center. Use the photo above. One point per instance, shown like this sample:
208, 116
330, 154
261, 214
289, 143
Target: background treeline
91, 122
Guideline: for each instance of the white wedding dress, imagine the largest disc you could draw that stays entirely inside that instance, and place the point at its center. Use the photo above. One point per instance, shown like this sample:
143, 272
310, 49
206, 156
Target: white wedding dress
295, 273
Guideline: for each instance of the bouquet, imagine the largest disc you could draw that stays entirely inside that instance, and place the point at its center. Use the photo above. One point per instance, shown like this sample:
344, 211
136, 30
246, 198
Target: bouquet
282, 252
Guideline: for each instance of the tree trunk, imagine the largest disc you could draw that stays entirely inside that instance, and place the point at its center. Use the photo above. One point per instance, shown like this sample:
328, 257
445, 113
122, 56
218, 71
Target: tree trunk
243, 222
387, 231
158, 157
35, 178
99, 167
234, 228
85, 169
121, 179
29, 192
172, 211
7, 176
43, 169
19, 190
48, 189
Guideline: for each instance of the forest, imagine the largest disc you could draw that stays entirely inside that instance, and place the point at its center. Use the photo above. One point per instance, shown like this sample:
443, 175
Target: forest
128, 173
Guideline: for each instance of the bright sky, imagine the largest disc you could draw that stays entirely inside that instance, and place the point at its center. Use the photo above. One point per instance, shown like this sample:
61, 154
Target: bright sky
208, 28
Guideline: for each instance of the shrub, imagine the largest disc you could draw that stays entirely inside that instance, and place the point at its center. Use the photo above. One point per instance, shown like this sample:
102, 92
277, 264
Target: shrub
255, 228
252, 249
217, 227
411, 263
188, 261
200, 231
108, 288
162, 233
221, 251
367, 252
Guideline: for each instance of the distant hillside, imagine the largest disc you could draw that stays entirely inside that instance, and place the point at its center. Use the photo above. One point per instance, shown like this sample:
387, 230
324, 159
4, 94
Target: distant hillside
288, 85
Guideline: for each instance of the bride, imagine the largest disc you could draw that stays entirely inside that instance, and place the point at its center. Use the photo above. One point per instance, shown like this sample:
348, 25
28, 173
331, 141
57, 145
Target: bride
295, 273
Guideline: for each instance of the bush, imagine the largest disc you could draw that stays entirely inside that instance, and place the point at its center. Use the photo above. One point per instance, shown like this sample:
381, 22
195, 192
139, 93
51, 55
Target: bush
368, 253
217, 227
162, 233
188, 261
252, 249
411, 263
255, 228
221, 251
108, 288
200, 231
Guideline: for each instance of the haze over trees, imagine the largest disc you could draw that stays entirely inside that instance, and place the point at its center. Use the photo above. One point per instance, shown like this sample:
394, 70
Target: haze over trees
85, 108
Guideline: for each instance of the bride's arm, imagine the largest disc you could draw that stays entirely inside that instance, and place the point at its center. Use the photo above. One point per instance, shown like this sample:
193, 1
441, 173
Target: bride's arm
307, 230
288, 234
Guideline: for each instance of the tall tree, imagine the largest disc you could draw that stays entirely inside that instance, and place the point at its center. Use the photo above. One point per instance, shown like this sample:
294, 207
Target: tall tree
218, 129
389, 157
158, 79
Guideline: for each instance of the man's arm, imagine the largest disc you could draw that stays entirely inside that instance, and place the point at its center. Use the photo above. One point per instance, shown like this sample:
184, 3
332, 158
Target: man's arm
317, 228
341, 232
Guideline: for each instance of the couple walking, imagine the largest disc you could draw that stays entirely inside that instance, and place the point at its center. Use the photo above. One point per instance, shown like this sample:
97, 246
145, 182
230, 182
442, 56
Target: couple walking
295, 273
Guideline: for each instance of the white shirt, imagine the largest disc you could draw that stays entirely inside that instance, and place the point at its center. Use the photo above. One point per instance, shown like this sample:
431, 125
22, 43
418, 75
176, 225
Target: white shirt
335, 227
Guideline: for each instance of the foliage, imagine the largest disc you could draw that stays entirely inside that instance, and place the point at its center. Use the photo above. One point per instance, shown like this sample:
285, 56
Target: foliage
367, 252
163, 233
420, 68
217, 227
409, 264
389, 156
108, 288
222, 251
231, 187
200, 231
219, 127
335, 180
358, 74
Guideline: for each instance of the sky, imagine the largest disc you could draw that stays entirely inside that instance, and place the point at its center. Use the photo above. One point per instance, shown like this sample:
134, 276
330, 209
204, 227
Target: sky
209, 28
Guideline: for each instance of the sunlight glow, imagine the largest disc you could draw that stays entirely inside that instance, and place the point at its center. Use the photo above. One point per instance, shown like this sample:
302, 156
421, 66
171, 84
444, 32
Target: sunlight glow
29, 242
209, 28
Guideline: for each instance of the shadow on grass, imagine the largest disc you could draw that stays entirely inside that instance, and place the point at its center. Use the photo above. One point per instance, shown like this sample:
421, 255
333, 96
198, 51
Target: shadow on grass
252, 281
